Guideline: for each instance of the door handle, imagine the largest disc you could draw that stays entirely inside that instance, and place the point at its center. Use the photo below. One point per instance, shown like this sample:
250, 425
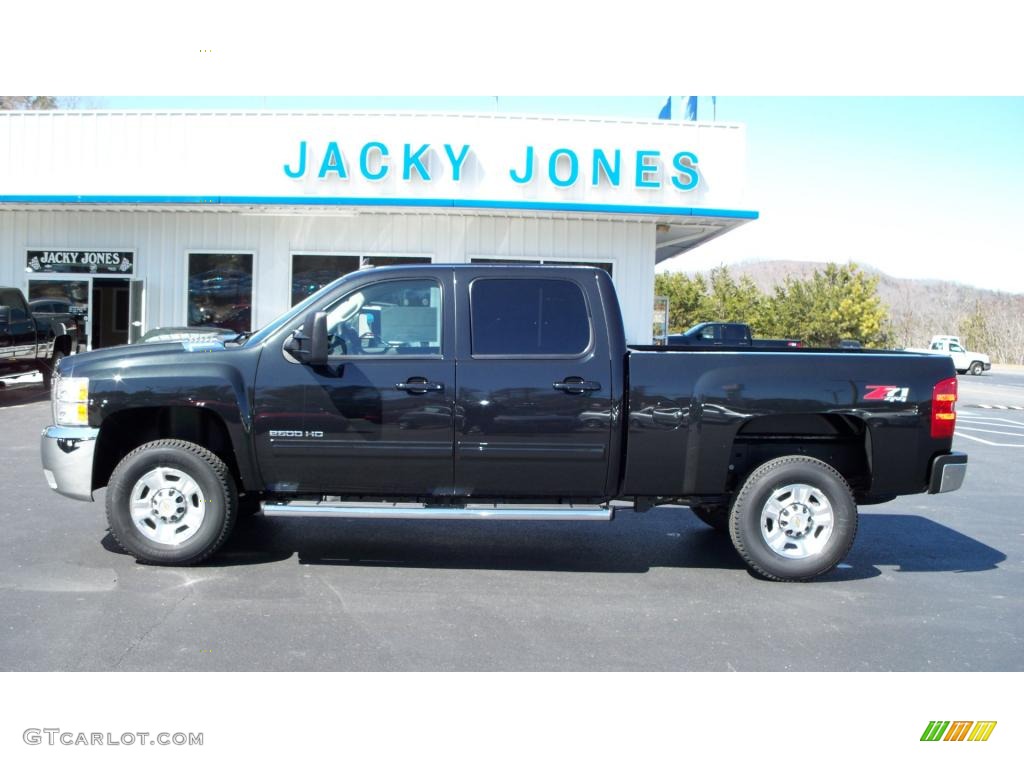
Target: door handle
574, 385
418, 385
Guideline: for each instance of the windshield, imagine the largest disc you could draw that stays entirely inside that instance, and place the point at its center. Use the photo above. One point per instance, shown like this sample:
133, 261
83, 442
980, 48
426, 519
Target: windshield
298, 310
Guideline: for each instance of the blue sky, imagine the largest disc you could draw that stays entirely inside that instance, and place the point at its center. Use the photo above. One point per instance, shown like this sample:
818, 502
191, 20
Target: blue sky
917, 187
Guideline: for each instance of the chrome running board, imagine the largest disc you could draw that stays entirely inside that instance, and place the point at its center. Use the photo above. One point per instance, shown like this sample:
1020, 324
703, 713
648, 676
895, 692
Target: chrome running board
409, 511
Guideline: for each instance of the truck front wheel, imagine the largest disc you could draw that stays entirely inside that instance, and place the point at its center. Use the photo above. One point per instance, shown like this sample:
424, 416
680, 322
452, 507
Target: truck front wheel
795, 518
976, 368
171, 502
47, 368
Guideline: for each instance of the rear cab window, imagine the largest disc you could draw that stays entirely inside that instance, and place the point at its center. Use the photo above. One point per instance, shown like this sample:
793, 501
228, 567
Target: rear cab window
734, 333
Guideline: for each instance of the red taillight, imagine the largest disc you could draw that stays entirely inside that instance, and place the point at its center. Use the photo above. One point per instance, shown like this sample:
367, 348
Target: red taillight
944, 408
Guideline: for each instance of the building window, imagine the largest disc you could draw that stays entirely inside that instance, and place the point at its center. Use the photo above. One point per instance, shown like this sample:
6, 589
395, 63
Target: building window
220, 290
605, 265
311, 272
528, 317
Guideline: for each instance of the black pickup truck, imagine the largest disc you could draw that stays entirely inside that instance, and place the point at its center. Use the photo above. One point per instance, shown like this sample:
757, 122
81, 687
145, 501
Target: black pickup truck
725, 335
29, 341
494, 393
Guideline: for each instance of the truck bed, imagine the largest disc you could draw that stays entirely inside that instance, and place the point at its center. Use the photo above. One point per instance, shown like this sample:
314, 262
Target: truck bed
716, 407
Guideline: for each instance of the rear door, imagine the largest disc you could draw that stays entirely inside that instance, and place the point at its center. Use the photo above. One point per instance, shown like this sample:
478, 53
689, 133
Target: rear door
533, 409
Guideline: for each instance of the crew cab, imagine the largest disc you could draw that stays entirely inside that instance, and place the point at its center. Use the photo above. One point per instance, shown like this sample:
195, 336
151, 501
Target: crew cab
477, 392
29, 342
964, 361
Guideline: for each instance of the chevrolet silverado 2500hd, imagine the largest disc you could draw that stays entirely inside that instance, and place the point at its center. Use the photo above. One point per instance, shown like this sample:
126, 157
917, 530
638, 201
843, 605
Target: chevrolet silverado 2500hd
496, 393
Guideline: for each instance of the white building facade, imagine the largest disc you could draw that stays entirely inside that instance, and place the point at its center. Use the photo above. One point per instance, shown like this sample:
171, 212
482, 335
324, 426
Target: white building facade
148, 220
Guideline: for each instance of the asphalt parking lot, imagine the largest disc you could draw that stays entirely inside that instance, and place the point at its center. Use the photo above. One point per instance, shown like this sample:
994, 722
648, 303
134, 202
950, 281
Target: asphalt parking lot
932, 583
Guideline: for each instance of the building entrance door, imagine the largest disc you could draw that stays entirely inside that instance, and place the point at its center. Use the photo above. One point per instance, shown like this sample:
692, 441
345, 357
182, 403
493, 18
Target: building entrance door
97, 311
92, 292
110, 311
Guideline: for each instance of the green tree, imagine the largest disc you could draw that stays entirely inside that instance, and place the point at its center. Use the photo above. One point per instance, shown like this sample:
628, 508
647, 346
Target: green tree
719, 297
28, 102
686, 297
974, 330
834, 303
733, 301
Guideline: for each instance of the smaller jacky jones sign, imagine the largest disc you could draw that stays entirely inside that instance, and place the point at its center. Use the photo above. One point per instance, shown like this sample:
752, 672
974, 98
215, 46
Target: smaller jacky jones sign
92, 262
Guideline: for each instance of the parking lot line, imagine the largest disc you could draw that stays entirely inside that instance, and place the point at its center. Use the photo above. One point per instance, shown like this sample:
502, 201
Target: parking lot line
990, 420
993, 431
988, 442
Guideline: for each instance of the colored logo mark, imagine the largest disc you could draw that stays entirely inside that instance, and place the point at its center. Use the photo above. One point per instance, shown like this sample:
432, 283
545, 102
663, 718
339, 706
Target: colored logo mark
958, 730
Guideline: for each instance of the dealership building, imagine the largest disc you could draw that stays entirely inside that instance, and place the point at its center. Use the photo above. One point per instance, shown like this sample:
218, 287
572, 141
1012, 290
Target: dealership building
153, 219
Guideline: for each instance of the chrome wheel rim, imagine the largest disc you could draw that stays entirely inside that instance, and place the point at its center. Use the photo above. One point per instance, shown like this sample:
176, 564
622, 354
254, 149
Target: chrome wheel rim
797, 521
167, 506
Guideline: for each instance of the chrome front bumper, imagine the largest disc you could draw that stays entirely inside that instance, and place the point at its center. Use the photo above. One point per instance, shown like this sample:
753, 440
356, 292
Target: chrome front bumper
67, 460
948, 472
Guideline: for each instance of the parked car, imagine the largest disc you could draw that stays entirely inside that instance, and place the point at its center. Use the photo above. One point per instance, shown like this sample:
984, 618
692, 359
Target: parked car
964, 361
73, 316
29, 342
849, 344
725, 335
511, 395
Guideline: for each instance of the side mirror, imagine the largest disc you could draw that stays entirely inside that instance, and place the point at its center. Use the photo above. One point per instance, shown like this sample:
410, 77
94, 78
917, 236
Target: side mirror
309, 345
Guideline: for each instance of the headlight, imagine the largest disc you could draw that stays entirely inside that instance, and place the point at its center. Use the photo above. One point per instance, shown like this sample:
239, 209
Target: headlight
70, 399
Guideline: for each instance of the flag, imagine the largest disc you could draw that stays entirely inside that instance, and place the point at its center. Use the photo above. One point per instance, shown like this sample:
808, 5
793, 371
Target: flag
666, 111
690, 108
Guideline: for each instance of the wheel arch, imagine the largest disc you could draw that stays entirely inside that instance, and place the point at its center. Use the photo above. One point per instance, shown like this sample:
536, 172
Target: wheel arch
123, 431
842, 441
63, 344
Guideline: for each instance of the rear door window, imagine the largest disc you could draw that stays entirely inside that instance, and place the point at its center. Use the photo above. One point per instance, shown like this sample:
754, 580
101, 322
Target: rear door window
529, 317
732, 334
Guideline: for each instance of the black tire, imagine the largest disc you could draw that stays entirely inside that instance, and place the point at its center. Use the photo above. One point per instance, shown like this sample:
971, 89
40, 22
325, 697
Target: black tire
210, 473
716, 517
976, 368
49, 367
745, 525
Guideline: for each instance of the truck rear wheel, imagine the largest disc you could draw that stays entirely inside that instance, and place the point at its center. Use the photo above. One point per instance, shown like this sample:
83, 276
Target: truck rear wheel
795, 518
171, 502
716, 517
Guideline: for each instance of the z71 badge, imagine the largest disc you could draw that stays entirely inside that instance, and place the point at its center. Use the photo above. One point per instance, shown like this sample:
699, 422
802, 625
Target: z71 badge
887, 392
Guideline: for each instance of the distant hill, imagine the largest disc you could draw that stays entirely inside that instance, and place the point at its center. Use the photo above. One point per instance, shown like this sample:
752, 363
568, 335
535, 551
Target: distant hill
992, 321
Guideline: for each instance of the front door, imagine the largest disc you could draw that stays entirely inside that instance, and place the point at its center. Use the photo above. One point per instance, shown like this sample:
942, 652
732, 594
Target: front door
376, 420
20, 341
